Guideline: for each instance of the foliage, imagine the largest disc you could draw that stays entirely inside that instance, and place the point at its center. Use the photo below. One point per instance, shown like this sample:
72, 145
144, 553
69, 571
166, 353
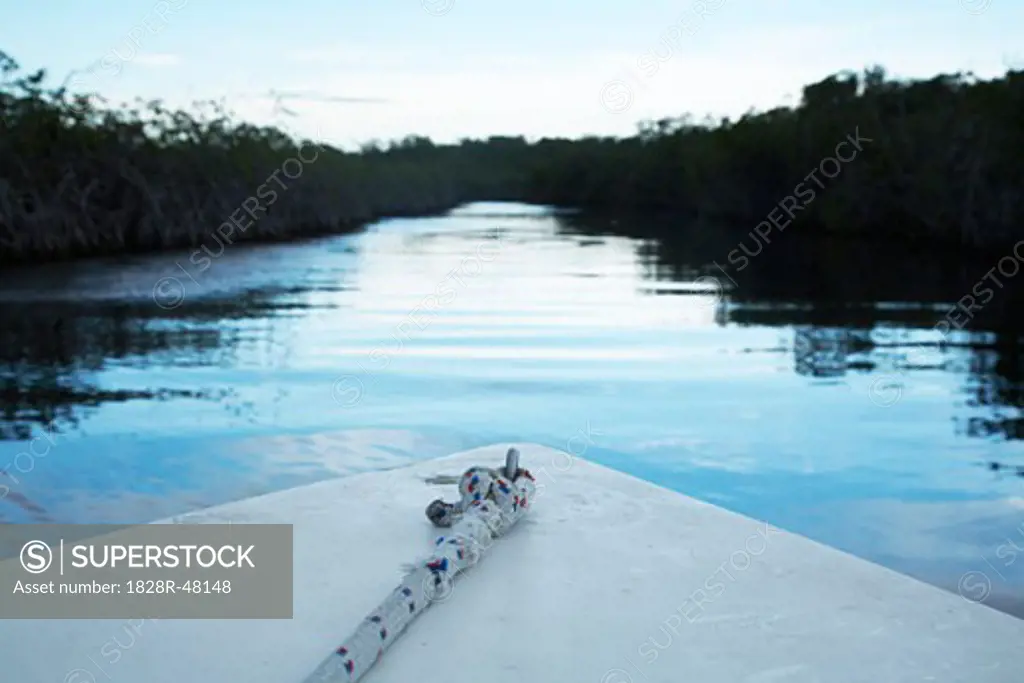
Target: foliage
79, 178
944, 161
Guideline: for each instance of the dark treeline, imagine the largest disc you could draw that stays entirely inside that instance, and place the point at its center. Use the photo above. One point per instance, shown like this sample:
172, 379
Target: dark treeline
861, 154
943, 162
78, 178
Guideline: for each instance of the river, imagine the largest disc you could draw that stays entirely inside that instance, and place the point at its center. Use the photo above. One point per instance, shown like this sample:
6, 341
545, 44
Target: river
138, 388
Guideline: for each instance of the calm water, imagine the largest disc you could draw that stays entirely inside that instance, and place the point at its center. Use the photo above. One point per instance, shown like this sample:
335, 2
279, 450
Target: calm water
282, 365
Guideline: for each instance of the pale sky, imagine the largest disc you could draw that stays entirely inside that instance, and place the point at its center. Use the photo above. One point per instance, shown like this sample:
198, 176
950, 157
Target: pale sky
448, 69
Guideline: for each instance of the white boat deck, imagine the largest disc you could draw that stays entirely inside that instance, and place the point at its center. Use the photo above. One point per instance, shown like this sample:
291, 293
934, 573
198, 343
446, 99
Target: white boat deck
609, 580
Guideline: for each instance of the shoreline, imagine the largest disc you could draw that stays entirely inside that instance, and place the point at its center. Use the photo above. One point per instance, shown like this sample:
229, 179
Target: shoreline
855, 157
187, 244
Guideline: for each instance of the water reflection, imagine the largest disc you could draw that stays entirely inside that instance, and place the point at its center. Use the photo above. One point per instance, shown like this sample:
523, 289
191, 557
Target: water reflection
51, 352
845, 304
853, 306
809, 389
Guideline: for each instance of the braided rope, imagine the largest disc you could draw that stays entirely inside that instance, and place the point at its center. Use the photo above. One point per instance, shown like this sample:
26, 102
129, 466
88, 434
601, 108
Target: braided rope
491, 503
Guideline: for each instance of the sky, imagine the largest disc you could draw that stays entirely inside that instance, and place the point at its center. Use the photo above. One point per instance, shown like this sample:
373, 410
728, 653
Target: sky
349, 72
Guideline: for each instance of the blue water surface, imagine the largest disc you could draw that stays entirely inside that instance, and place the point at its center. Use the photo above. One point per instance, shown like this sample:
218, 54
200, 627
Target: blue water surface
288, 364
